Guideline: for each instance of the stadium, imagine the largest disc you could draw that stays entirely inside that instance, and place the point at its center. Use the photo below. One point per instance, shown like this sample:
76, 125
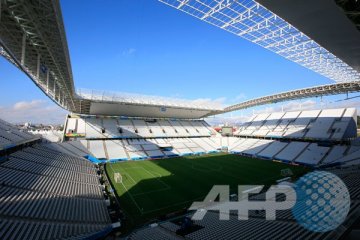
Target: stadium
132, 166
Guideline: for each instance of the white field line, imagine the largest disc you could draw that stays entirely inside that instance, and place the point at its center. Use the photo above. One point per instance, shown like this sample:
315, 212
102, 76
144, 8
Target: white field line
157, 178
132, 198
127, 191
130, 178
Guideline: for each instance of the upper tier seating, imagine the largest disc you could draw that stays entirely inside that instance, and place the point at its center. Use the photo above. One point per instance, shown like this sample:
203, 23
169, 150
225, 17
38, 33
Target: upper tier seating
320, 128
103, 128
278, 128
297, 128
291, 151
327, 124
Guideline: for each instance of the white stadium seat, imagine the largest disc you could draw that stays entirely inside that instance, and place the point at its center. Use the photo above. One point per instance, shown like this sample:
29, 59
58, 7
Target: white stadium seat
291, 151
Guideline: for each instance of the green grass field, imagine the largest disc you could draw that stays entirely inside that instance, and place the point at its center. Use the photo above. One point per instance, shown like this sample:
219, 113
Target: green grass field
153, 188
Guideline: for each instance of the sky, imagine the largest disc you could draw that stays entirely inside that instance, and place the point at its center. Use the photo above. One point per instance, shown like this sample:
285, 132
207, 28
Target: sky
146, 47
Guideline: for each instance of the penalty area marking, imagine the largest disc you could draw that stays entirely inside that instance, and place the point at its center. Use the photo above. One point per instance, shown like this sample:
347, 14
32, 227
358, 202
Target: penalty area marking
167, 187
130, 179
157, 178
132, 198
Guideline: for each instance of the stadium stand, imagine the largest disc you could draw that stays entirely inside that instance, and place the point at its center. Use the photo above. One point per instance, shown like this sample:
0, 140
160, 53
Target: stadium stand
260, 145
111, 126
97, 148
294, 137
273, 149
140, 148
122, 138
156, 129
352, 158
168, 128
320, 128
327, 124
298, 128
98, 127
344, 127
115, 150
312, 155
305, 153
47, 191
70, 147
291, 151
334, 154
279, 129
93, 128
10, 136
49, 135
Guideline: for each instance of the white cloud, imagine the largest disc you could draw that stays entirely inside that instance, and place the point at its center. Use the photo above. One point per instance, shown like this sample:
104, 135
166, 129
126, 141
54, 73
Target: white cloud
35, 111
218, 102
23, 106
129, 52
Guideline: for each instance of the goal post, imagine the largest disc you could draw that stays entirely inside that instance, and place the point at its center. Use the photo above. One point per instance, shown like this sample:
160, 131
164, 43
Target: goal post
117, 177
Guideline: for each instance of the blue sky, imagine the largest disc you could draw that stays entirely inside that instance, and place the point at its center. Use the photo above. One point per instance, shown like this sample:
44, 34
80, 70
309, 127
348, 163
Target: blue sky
144, 46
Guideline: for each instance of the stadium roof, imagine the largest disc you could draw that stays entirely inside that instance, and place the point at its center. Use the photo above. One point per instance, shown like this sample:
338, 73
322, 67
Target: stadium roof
318, 91
136, 105
320, 36
32, 37
326, 23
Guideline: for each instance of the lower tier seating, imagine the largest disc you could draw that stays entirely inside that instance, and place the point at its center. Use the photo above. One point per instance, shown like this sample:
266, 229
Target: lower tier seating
50, 195
306, 153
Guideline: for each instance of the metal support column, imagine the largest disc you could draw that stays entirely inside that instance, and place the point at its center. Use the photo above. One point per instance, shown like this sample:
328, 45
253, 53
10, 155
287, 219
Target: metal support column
23, 49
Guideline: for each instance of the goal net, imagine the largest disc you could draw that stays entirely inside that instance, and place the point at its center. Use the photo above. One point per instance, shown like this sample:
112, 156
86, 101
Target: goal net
117, 177
286, 172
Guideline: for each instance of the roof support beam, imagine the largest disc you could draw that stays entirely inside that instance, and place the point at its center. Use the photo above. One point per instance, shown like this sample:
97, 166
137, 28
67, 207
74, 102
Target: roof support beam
23, 49
318, 91
0, 9
183, 3
38, 67
218, 7
47, 81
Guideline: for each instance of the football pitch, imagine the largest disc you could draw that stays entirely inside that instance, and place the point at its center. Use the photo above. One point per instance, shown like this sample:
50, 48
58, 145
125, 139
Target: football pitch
153, 188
